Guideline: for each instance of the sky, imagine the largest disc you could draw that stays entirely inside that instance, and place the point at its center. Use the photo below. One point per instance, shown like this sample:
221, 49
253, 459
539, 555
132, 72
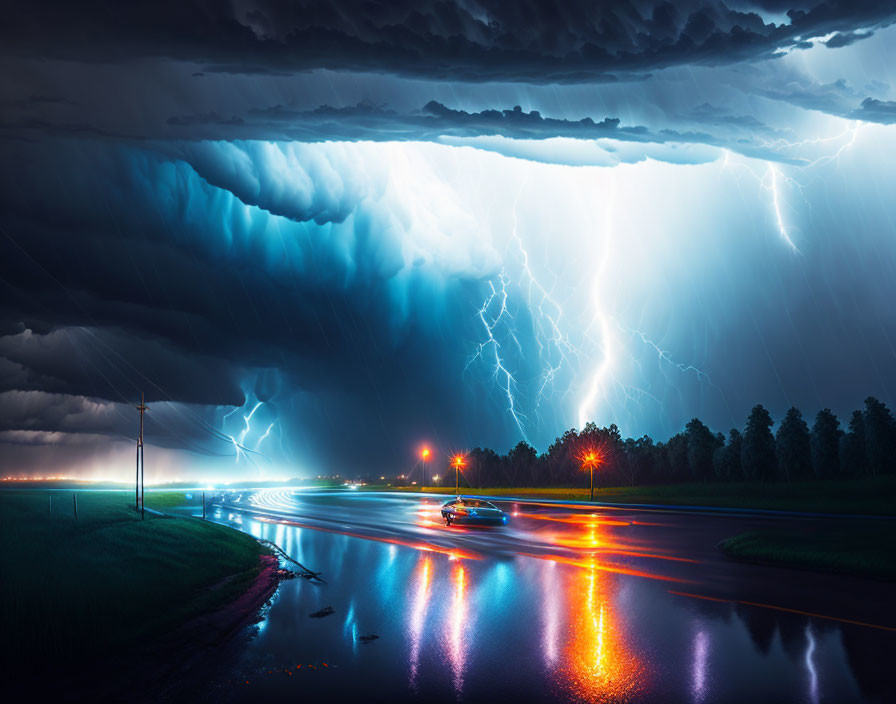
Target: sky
319, 235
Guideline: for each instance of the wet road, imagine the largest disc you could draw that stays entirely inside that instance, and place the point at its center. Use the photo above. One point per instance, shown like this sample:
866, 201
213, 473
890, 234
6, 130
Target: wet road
571, 603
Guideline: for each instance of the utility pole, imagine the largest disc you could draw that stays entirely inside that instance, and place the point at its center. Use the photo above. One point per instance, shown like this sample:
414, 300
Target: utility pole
139, 482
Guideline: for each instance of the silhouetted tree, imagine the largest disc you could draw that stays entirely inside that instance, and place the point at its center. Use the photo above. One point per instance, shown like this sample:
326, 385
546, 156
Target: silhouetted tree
758, 449
792, 446
880, 437
853, 461
561, 458
825, 444
697, 453
726, 458
662, 468
521, 461
677, 455
639, 460
701, 444
484, 468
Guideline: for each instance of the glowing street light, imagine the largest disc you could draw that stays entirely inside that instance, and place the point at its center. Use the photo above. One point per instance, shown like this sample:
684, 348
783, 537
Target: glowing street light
590, 459
457, 461
424, 455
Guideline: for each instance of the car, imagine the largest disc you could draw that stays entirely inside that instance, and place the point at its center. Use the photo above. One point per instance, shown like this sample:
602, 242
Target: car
472, 511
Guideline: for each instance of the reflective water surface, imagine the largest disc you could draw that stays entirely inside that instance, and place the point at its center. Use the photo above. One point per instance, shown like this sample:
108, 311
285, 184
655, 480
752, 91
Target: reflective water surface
563, 604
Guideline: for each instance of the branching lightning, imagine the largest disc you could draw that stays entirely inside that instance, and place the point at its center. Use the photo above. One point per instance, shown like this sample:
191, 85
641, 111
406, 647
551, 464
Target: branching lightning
554, 348
772, 178
664, 356
593, 358
490, 321
250, 439
561, 348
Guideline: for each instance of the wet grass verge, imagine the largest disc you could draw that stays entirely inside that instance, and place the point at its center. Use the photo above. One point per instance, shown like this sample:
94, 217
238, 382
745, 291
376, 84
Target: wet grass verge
78, 590
867, 496
864, 551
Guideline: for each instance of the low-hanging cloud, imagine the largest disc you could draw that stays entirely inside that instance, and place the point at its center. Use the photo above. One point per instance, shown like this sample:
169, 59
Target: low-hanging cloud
872, 110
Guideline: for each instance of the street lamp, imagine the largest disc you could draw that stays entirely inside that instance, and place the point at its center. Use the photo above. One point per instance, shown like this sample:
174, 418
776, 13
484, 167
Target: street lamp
590, 459
458, 462
424, 455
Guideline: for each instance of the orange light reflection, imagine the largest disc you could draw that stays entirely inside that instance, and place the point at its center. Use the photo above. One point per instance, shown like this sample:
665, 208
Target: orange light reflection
574, 519
599, 665
587, 564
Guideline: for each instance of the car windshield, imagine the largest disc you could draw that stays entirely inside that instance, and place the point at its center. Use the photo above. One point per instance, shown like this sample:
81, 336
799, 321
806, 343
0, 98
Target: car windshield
476, 503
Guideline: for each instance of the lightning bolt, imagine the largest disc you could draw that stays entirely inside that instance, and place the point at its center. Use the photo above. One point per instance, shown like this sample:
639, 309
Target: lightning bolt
490, 322
267, 433
851, 130
590, 360
554, 349
772, 178
241, 440
554, 346
664, 356
236, 445
248, 418
782, 229
601, 372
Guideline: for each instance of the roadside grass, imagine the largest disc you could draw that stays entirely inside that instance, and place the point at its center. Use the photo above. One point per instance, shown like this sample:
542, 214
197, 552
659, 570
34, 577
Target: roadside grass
862, 551
72, 589
867, 496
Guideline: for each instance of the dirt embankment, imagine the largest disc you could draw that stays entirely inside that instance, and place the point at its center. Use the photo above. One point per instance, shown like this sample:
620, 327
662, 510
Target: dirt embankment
217, 626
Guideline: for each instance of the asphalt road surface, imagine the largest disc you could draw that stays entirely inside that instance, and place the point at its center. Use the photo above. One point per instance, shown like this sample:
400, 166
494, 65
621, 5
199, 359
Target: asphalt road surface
566, 602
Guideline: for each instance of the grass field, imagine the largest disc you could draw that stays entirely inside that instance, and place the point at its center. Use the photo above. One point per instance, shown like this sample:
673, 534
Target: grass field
863, 551
875, 496
80, 588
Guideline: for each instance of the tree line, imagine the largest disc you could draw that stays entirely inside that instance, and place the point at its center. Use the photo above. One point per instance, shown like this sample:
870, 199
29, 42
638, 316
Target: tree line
794, 452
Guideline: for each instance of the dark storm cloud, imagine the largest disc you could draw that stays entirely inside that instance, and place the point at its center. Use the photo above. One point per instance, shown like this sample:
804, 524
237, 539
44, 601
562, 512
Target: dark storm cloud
46, 418
529, 41
166, 227
35, 101
871, 110
846, 38
835, 98
142, 276
437, 122
714, 115
208, 118
366, 121
104, 363
433, 122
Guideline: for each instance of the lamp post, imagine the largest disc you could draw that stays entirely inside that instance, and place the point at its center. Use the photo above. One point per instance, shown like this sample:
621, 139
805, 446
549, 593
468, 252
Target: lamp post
458, 462
590, 459
424, 455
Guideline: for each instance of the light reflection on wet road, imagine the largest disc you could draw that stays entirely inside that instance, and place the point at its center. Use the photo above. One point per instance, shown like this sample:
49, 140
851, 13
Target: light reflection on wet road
573, 604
